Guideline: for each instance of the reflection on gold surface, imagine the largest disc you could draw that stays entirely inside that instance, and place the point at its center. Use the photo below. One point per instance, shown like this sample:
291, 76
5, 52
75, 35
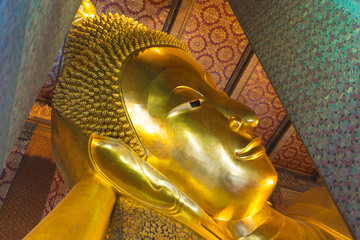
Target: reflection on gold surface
142, 121
85, 10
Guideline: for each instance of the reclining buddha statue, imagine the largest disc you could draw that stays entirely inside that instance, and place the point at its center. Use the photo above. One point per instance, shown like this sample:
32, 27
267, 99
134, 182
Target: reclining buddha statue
135, 115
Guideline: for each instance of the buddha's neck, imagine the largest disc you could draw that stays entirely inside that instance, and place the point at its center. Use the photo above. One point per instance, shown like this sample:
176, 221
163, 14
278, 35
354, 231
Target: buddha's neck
270, 224
245, 226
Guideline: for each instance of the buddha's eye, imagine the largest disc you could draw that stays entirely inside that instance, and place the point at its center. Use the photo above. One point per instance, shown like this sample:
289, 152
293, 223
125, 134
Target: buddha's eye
187, 105
196, 103
183, 98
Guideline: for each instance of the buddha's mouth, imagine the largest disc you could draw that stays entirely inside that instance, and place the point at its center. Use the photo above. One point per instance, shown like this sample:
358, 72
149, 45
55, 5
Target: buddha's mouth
253, 151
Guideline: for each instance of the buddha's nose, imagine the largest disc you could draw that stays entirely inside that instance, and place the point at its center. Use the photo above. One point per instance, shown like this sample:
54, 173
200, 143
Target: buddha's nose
235, 123
251, 143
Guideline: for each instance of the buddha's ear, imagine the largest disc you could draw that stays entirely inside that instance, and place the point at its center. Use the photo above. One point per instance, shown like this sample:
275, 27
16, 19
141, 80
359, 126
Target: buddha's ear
86, 9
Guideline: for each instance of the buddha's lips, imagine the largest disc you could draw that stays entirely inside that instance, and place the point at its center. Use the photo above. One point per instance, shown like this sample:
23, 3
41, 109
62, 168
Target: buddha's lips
251, 154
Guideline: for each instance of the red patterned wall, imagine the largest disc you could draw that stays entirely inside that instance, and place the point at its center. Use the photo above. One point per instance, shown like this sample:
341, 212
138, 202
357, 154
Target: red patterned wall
259, 95
151, 13
215, 39
293, 155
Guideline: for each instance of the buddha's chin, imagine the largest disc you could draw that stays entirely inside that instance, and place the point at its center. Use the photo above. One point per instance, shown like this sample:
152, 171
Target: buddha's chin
246, 202
238, 212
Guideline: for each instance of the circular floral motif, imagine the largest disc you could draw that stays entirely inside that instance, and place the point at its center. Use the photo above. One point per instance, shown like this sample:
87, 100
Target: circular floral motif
192, 25
265, 137
289, 153
228, 70
241, 45
269, 86
227, 9
210, 14
261, 109
290, 141
294, 165
206, 61
162, 14
157, 2
303, 149
236, 29
197, 44
280, 115
256, 93
225, 53
134, 7
218, 35
216, 78
106, 7
148, 21
266, 123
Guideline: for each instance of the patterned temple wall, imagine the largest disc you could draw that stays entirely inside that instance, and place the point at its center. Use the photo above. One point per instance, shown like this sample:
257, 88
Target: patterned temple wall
310, 51
31, 34
215, 39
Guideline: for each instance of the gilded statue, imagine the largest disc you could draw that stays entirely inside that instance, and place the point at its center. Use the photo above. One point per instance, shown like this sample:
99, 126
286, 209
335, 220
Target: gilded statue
135, 115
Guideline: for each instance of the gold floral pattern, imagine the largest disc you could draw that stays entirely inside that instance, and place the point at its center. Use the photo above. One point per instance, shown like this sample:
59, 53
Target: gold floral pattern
130, 220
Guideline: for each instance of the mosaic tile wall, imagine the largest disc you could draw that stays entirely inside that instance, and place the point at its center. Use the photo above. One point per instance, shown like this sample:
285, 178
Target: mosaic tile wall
259, 95
310, 50
31, 33
215, 39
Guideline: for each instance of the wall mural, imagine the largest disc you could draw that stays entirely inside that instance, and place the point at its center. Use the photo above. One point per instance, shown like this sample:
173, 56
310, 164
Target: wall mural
311, 52
259, 94
215, 39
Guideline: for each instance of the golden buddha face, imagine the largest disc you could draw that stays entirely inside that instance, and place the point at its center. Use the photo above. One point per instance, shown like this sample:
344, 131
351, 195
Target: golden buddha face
195, 135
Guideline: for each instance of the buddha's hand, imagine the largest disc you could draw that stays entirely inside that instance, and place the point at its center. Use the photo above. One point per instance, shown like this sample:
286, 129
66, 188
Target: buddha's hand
119, 165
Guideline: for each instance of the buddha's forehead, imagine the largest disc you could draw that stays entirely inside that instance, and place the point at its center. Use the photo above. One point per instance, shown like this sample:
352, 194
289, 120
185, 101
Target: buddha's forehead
142, 69
160, 70
149, 78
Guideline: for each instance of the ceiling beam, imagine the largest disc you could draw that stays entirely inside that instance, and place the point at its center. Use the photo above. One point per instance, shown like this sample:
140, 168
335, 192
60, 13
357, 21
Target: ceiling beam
239, 70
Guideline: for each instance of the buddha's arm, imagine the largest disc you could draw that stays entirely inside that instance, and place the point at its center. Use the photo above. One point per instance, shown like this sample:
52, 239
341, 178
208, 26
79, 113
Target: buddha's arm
83, 214
304, 220
278, 226
117, 164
